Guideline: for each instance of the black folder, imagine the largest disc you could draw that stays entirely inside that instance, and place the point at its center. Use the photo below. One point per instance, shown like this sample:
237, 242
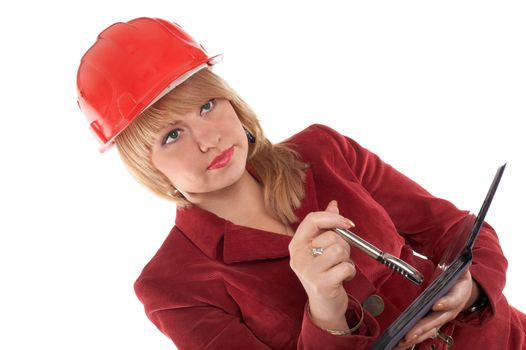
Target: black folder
453, 264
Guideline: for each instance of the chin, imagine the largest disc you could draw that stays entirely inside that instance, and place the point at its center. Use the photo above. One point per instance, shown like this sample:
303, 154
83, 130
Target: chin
234, 177
220, 182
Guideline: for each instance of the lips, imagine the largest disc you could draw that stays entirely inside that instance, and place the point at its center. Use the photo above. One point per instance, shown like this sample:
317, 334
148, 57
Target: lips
222, 159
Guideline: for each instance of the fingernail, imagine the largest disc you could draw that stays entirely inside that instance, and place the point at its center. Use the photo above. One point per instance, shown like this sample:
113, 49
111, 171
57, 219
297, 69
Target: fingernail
439, 306
409, 339
349, 222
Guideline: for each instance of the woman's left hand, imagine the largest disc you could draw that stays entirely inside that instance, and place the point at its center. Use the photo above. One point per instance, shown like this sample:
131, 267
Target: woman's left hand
463, 293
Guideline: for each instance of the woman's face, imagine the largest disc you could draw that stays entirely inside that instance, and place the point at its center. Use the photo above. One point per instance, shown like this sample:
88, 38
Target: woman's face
202, 151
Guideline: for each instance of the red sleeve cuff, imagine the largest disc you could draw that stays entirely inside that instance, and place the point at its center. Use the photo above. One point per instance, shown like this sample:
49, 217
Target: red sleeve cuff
488, 269
479, 317
314, 337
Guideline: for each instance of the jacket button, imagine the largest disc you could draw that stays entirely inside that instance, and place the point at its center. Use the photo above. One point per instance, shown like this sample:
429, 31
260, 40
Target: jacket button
374, 304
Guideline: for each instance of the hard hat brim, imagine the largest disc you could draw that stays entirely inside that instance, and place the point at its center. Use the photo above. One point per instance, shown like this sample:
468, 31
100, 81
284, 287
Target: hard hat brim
159, 92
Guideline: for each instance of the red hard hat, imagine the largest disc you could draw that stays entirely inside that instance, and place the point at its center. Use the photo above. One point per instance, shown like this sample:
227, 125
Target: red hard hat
130, 66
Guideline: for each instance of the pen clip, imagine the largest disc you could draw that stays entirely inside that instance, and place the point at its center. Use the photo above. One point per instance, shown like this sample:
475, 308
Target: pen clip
401, 267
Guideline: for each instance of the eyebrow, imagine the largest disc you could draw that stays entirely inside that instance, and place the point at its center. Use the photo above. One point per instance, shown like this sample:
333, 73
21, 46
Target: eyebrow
162, 128
172, 122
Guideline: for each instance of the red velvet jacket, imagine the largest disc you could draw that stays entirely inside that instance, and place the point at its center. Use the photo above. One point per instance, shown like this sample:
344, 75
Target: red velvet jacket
216, 285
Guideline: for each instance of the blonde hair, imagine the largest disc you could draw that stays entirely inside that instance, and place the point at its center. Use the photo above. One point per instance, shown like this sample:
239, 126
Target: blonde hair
278, 167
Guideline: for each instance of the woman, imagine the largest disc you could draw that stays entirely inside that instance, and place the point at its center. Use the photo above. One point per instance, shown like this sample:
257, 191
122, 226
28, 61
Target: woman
252, 261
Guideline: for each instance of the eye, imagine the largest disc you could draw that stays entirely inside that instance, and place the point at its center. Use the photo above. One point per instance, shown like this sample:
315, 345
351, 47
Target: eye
207, 107
172, 136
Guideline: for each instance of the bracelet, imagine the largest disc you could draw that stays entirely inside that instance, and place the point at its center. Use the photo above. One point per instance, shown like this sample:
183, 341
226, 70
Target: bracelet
477, 305
347, 331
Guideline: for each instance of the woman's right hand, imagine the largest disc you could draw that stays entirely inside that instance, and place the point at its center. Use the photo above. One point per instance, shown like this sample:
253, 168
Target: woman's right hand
322, 275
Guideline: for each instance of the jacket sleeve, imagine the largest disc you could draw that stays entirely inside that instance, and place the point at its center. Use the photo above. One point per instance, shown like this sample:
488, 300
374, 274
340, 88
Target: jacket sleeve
427, 223
193, 323
313, 337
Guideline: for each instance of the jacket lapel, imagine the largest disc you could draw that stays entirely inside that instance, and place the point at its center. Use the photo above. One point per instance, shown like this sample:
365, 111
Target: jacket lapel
212, 234
247, 244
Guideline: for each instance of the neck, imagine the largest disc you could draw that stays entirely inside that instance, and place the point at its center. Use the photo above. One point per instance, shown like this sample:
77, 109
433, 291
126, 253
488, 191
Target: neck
237, 203
243, 204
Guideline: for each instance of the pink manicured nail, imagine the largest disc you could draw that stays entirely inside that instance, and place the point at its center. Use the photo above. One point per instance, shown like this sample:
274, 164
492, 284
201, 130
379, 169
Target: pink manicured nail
349, 222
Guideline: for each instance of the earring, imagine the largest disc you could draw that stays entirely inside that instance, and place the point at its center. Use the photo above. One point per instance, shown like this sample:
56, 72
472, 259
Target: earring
250, 137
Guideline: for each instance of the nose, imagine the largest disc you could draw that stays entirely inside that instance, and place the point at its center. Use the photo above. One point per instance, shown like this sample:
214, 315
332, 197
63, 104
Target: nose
206, 137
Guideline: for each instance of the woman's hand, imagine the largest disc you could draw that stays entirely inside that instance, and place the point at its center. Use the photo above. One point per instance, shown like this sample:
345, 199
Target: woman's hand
322, 275
463, 294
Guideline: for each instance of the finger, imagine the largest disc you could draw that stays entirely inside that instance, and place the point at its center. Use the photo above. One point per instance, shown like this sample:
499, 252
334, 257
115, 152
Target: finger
420, 338
315, 222
332, 256
433, 320
456, 297
332, 207
340, 272
349, 278
329, 238
403, 347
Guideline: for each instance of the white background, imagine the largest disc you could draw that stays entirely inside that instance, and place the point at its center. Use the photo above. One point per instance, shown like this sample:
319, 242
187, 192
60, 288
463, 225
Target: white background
437, 89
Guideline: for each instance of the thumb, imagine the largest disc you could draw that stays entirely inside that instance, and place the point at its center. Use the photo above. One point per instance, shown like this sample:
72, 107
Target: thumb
332, 207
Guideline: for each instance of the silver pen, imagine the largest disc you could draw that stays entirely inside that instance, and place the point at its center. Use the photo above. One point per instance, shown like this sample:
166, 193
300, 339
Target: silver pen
387, 259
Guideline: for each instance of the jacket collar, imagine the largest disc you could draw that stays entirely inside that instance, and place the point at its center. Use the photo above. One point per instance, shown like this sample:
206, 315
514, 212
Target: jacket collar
222, 239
